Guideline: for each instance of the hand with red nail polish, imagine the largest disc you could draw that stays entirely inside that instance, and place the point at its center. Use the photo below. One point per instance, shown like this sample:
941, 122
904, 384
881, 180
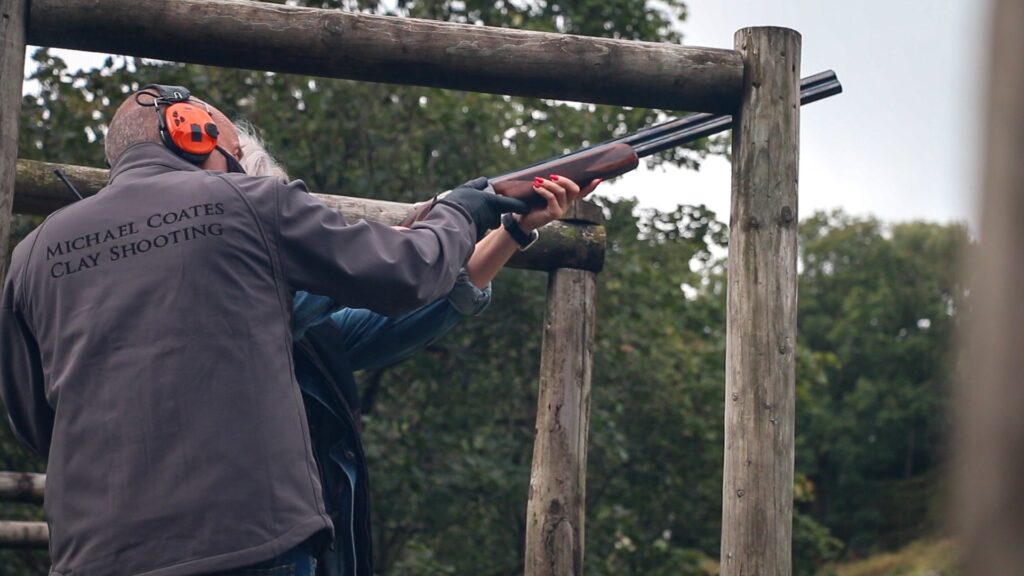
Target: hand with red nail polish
559, 193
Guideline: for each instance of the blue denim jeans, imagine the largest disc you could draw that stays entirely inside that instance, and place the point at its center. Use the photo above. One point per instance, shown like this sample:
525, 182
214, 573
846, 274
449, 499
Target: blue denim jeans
298, 561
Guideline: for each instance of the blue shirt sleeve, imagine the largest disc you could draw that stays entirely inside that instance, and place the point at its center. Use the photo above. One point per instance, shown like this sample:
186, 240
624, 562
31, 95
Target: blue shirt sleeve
374, 340
308, 310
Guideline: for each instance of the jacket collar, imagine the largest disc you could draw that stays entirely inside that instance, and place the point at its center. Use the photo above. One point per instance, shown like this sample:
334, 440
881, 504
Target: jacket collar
149, 155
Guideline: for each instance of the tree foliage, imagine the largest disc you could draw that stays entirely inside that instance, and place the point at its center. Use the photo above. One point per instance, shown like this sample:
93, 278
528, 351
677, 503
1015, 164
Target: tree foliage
878, 307
450, 433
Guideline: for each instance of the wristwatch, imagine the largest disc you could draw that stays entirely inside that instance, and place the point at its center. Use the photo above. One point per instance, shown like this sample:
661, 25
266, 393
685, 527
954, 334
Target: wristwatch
511, 225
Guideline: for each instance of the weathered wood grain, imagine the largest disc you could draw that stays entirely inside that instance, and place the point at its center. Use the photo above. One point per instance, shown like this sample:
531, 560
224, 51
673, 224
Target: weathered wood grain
757, 488
23, 534
990, 396
12, 66
570, 244
555, 509
339, 44
22, 486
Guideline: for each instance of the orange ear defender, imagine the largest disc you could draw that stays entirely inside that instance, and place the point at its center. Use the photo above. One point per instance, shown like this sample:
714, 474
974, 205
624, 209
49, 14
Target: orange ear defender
186, 128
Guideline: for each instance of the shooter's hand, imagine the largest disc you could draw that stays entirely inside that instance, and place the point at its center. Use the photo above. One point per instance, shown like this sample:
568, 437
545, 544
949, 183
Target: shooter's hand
483, 208
559, 192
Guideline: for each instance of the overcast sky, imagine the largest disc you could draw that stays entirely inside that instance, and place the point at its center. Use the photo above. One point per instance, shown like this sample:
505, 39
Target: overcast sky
899, 143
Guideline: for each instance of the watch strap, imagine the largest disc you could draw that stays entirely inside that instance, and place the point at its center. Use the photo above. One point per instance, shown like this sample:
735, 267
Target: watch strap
524, 239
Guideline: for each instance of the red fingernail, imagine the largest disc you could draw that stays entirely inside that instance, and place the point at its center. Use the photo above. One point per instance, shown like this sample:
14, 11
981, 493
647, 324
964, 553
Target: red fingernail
554, 177
538, 180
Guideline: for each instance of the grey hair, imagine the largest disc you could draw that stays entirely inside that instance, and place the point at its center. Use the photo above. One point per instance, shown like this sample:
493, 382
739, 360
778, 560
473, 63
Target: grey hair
131, 124
255, 159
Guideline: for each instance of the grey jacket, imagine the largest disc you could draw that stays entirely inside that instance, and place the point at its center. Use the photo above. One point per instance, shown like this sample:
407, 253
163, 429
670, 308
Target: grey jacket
145, 349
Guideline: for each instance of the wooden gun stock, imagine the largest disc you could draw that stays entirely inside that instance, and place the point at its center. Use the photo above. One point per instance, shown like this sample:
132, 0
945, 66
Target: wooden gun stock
606, 161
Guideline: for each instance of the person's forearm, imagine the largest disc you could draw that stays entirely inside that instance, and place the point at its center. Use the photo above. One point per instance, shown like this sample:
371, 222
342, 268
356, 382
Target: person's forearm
383, 341
490, 256
494, 251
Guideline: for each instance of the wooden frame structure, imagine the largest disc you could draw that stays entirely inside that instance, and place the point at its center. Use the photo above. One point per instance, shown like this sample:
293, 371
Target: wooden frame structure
758, 82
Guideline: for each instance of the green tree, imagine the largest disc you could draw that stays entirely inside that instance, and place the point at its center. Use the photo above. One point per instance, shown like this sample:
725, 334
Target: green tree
450, 433
878, 306
365, 139
401, 143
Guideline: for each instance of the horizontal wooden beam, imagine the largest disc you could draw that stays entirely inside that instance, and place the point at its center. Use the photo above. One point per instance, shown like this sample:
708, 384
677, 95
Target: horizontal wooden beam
21, 486
575, 244
23, 534
338, 44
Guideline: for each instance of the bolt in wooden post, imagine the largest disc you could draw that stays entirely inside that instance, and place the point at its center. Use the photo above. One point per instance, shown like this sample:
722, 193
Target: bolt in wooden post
990, 435
555, 510
757, 487
12, 72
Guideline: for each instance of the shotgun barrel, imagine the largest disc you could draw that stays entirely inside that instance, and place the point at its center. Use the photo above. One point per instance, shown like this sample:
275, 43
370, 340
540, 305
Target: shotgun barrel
677, 131
620, 155
697, 126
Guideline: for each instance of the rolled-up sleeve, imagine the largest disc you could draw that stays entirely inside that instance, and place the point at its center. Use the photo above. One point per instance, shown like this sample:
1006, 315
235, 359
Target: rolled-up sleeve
466, 298
366, 264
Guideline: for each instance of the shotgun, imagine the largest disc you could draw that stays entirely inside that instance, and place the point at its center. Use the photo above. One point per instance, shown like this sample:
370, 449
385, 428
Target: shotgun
620, 155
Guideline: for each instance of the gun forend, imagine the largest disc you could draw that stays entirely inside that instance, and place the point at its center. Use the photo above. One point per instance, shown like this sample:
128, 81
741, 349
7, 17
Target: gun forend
605, 161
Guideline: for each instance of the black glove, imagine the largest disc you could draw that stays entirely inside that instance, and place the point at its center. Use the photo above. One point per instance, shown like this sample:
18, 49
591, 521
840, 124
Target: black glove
483, 208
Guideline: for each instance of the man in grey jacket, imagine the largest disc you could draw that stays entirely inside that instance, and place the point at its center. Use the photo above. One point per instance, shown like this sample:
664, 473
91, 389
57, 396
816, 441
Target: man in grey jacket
145, 350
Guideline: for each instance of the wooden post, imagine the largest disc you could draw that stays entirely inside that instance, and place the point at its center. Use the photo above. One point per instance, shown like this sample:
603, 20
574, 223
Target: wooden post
757, 487
22, 486
23, 534
555, 510
12, 73
341, 44
990, 439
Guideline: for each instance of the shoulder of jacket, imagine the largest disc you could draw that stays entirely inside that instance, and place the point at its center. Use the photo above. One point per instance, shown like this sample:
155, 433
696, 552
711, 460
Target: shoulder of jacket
247, 183
22, 252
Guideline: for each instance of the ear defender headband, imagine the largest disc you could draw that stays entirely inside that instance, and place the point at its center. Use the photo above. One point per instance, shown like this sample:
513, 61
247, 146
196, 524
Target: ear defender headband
186, 128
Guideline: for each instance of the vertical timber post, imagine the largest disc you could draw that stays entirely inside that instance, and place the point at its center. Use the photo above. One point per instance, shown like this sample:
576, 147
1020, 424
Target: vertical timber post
990, 434
760, 376
555, 510
12, 72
